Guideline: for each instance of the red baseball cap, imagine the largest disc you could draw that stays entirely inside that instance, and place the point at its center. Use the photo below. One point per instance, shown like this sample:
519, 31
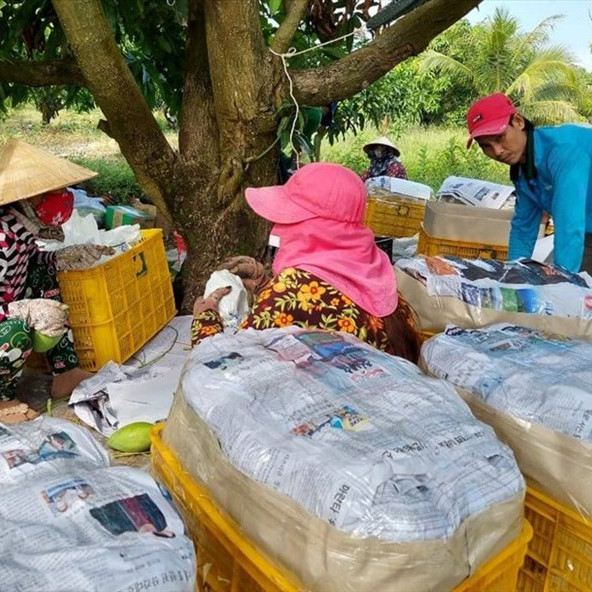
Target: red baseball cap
489, 116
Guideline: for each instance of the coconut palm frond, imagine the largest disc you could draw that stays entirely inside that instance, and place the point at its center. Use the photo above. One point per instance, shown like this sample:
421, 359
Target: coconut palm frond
540, 76
433, 61
551, 73
502, 28
493, 64
550, 66
556, 91
521, 89
554, 53
540, 34
502, 20
535, 40
550, 112
526, 90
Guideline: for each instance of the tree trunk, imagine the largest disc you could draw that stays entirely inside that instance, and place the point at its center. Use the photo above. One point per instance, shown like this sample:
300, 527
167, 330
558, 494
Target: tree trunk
227, 123
233, 85
130, 120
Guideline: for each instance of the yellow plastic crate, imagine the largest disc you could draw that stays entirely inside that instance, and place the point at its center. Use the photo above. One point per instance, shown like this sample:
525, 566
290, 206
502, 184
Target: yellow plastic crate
426, 334
559, 557
394, 216
228, 562
500, 573
116, 307
430, 245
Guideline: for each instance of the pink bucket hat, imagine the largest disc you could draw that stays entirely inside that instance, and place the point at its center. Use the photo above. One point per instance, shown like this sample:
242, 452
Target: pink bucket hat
317, 190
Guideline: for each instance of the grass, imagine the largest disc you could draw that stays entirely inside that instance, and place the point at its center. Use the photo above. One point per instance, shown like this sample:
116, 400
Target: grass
75, 136
430, 154
70, 134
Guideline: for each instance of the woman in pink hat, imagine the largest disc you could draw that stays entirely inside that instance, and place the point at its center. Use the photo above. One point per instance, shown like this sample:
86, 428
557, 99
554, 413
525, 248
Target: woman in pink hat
328, 272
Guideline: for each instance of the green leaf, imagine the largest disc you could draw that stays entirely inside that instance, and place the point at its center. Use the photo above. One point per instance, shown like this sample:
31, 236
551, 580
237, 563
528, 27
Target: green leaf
140, 7
165, 45
301, 143
275, 6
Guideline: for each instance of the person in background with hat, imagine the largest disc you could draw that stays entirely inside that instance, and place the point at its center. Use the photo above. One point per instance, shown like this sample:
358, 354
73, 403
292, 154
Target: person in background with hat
328, 272
384, 160
31, 196
551, 170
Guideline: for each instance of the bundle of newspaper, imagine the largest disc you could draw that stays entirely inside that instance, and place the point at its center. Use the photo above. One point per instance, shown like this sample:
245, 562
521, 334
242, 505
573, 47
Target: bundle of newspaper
72, 522
535, 389
357, 466
476, 192
477, 292
392, 186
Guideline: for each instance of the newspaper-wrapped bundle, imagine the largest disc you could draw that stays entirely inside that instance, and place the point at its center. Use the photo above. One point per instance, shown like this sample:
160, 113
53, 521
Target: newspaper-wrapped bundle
391, 186
346, 465
475, 293
535, 389
476, 192
70, 522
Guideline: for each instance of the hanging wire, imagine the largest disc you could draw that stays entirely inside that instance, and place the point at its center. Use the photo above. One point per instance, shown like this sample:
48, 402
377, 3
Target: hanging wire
290, 54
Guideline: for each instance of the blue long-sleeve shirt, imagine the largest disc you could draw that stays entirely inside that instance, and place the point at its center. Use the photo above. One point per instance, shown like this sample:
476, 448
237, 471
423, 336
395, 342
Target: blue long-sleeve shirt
562, 187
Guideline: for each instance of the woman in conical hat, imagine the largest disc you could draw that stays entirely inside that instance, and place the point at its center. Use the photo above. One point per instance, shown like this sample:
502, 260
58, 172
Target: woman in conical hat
32, 195
384, 160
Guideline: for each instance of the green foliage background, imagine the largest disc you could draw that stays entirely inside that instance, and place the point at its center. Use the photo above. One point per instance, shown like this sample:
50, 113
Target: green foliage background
430, 154
420, 108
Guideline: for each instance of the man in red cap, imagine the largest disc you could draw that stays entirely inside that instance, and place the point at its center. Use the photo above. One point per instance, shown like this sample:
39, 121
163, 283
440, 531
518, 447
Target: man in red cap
551, 170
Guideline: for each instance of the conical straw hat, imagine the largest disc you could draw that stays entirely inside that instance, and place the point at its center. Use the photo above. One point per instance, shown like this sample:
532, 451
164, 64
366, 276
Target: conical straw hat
26, 171
383, 141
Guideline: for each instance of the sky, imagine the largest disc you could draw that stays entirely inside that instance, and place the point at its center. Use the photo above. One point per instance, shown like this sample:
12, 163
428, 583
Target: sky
574, 31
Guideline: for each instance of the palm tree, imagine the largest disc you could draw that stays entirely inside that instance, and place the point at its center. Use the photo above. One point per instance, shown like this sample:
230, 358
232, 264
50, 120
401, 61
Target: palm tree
541, 78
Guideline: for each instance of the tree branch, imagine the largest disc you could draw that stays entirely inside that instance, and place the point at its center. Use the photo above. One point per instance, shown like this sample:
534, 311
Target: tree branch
241, 70
47, 73
198, 131
130, 119
284, 35
408, 36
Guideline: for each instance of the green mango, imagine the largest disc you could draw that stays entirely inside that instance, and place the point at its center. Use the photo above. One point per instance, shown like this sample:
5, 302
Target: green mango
43, 343
134, 437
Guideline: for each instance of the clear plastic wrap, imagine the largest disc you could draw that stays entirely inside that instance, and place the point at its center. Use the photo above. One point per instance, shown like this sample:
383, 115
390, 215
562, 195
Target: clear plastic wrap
476, 293
344, 464
535, 390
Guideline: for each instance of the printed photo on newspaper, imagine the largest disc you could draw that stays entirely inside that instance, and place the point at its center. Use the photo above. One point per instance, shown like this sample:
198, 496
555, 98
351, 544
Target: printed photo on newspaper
476, 192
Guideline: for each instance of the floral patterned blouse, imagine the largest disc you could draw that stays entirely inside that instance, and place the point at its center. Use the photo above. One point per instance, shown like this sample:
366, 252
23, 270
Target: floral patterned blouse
297, 297
397, 170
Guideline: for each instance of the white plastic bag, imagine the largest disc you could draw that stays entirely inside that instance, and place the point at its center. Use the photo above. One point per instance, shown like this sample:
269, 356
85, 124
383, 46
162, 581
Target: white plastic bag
234, 307
83, 230
80, 230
